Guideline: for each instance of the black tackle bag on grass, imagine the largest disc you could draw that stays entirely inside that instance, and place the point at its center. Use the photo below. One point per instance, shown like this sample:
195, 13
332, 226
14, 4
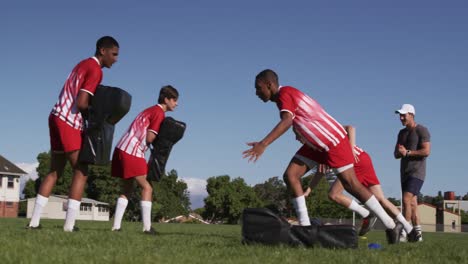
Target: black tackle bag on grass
107, 107
170, 132
261, 225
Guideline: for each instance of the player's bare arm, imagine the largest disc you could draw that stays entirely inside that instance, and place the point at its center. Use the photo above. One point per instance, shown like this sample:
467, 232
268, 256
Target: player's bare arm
424, 151
258, 148
82, 102
352, 139
397, 154
351, 134
150, 137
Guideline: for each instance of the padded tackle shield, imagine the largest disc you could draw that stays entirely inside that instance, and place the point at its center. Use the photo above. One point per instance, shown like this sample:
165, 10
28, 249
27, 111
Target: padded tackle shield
170, 132
338, 236
108, 106
260, 225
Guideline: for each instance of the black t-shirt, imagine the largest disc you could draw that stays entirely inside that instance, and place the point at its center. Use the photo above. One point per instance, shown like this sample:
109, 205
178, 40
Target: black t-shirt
413, 139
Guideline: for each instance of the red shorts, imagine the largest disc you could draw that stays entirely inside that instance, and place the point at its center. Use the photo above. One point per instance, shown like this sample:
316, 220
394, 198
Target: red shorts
127, 166
62, 136
365, 171
339, 156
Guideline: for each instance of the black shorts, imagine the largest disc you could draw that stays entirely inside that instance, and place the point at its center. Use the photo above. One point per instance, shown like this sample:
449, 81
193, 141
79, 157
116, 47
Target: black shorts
412, 185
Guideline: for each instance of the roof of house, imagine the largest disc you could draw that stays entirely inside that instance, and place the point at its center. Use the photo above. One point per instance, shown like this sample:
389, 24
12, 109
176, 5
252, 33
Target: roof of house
8, 168
191, 215
83, 200
435, 208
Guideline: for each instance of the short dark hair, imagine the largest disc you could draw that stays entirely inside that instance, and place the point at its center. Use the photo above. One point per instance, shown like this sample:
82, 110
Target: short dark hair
106, 42
168, 92
267, 75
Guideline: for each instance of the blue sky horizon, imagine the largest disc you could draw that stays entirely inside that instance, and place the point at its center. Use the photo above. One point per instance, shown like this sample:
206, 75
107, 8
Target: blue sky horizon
360, 60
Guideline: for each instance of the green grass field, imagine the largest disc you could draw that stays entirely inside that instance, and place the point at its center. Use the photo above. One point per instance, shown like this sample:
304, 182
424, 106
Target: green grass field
196, 243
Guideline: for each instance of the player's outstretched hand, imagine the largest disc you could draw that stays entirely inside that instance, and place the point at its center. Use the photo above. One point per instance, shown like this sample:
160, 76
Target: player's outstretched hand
254, 153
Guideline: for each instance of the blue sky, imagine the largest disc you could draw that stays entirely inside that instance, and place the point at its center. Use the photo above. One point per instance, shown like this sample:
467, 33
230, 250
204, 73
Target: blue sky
359, 59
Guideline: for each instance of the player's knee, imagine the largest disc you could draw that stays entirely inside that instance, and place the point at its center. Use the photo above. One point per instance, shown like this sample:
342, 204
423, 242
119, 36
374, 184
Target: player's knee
291, 177
147, 188
407, 201
333, 196
53, 175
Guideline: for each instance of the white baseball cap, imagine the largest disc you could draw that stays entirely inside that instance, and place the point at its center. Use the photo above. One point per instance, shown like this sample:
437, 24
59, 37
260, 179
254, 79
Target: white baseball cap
406, 108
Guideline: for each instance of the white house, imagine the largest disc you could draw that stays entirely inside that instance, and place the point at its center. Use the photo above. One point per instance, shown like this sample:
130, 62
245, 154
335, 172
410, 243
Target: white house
9, 188
56, 208
438, 219
435, 219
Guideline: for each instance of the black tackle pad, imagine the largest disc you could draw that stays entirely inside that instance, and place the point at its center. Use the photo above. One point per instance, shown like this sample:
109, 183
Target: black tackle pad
108, 106
170, 132
261, 225
327, 236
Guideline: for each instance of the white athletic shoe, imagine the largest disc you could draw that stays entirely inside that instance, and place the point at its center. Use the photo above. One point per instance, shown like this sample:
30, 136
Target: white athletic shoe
420, 239
403, 236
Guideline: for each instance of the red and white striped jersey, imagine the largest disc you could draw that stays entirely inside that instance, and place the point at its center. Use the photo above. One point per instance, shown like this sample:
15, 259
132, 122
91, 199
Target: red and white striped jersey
320, 130
133, 141
86, 76
357, 150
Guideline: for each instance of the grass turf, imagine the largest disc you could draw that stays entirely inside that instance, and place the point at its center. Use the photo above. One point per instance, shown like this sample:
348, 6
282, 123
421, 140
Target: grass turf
196, 243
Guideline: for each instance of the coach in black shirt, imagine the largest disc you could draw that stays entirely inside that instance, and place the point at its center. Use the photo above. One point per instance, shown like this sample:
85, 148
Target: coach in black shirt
413, 147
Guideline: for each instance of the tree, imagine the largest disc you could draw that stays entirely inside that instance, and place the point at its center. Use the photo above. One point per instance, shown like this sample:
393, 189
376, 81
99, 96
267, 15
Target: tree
62, 186
101, 186
172, 197
420, 198
29, 189
199, 211
273, 194
394, 201
227, 199
464, 217
320, 206
438, 200
465, 197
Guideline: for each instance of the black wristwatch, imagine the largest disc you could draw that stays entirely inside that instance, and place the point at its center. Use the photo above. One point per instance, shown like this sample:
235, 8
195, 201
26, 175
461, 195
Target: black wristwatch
407, 153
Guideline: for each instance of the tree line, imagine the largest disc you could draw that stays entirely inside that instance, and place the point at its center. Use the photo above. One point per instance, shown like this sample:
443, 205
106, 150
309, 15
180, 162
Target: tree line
172, 196
227, 197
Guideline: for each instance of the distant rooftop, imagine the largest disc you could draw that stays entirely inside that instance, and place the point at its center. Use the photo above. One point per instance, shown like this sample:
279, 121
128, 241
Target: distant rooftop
83, 200
8, 168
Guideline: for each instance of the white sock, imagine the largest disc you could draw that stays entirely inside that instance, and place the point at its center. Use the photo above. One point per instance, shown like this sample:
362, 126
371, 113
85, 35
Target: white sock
41, 202
354, 206
119, 212
301, 210
73, 209
146, 214
418, 228
408, 227
378, 210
